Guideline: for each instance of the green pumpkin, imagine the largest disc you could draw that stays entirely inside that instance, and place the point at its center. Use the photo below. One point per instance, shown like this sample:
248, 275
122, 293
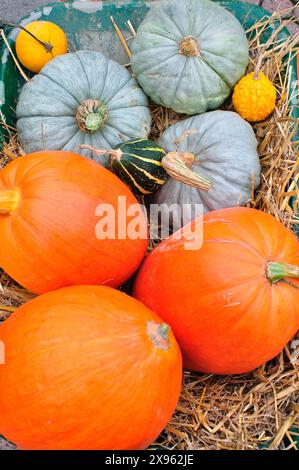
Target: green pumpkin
144, 166
188, 54
138, 164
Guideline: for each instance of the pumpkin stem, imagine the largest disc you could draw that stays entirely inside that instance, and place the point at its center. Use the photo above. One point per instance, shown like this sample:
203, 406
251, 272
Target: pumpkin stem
9, 200
279, 271
178, 166
91, 115
189, 47
47, 46
159, 334
115, 154
163, 330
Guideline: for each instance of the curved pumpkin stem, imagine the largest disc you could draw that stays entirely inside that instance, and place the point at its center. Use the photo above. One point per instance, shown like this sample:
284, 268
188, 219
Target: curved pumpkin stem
159, 334
178, 166
115, 154
279, 271
46, 45
9, 201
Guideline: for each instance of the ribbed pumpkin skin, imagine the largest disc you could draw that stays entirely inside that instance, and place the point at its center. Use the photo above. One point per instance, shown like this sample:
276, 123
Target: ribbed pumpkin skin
226, 315
189, 84
50, 240
140, 165
49, 103
82, 372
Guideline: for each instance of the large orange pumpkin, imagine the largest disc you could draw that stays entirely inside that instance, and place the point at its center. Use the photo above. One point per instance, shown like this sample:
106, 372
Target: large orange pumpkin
50, 208
87, 368
233, 303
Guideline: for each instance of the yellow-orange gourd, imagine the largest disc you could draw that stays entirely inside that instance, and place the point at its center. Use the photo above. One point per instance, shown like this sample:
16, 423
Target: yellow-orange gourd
34, 54
254, 97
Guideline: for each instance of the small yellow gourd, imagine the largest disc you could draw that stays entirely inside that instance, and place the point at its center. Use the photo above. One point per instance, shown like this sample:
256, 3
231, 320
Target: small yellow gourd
254, 97
38, 43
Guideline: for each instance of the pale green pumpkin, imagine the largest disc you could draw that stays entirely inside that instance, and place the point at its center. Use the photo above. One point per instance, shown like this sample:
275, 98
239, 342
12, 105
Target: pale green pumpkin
81, 98
222, 148
188, 54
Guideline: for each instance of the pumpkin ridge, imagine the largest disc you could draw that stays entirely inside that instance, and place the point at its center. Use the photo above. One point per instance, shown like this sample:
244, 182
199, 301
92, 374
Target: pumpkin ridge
171, 18
40, 116
204, 97
171, 46
129, 81
84, 72
160, 35
113, 126
104, 82
127, 107
205, 26
219, 55
216, 72
119, 90
180, 77
71, 126
153, 67
58, 84
66, 147
57, 99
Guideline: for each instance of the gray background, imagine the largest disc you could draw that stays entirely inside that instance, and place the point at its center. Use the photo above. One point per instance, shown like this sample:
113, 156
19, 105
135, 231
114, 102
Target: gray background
16, 9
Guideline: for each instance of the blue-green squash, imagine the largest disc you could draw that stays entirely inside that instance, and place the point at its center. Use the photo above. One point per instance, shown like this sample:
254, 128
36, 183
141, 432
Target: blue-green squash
188, 54
81, 98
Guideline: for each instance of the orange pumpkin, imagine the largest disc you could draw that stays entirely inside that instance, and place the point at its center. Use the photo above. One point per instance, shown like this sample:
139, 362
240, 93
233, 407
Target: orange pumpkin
233, 303
87, 368
49, 203
47, 40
